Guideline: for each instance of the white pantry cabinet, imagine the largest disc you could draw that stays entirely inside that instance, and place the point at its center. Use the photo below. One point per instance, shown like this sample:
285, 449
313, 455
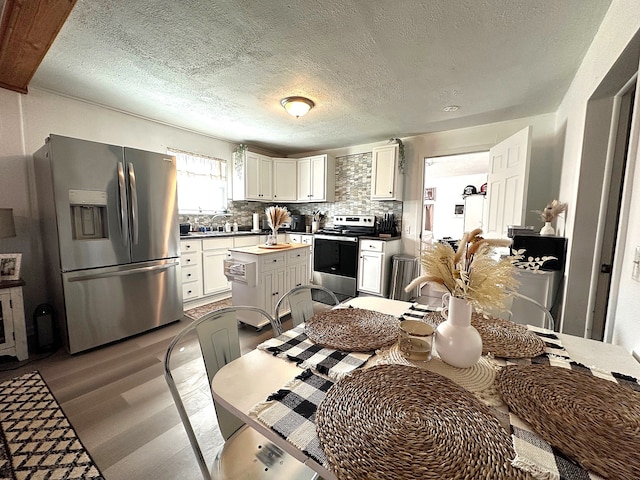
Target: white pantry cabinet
316, 179
386, 179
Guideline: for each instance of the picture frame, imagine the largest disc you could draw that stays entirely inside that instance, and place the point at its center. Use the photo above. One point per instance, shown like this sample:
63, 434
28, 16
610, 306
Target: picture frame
458, 209
10, 266
430, 193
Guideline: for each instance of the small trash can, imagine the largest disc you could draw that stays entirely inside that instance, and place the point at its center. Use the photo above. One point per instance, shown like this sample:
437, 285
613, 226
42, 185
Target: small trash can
403, 270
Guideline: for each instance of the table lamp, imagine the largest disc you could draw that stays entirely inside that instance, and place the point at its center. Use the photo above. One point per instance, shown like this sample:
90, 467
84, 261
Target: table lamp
7, 226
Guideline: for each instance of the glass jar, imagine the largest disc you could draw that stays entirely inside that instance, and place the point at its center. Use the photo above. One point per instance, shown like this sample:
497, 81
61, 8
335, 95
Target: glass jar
416, 340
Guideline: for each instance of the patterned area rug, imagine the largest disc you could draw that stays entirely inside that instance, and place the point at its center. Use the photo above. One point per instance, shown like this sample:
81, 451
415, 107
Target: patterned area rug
197, 312
37, 440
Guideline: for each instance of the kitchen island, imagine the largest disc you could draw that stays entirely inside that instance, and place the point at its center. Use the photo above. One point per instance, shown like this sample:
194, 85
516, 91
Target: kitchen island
261, 275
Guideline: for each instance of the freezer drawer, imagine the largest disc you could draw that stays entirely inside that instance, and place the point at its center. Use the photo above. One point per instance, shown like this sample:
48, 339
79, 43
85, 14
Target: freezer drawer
108, 304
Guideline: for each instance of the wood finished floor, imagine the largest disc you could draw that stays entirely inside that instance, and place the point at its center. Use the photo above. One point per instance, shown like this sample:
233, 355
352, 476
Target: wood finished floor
118, 401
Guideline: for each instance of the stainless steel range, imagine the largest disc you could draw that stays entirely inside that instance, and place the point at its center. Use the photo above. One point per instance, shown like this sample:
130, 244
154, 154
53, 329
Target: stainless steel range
335, 252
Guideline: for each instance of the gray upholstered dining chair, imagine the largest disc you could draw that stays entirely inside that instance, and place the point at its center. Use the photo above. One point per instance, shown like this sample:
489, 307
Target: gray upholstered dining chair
300, 302
545, 316
245, 454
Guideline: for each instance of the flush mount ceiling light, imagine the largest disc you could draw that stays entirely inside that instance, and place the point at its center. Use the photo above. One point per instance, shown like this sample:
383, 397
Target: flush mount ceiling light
297, 106
451, 108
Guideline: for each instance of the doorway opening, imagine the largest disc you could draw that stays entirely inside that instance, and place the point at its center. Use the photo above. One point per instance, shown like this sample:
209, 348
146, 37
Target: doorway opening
453, 200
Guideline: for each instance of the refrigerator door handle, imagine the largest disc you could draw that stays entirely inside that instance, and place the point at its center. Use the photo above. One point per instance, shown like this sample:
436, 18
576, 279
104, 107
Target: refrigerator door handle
122, 200
134, 204
119, 273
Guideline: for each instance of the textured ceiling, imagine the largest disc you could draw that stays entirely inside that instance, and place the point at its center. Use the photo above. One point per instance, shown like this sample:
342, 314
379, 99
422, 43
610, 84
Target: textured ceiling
375, 68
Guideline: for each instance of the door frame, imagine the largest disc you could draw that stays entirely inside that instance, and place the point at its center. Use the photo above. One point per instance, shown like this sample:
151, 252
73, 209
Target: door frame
613, 190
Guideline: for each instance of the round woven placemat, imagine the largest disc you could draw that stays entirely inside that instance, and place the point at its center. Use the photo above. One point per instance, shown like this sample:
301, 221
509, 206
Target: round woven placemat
501, 338
353, 329
400, 422
589, 419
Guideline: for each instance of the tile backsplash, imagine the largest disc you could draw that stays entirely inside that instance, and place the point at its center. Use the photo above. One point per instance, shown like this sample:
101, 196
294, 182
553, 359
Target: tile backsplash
353, 195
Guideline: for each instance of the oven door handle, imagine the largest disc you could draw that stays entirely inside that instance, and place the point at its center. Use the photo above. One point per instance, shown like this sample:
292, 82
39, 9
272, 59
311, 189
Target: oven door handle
336, 238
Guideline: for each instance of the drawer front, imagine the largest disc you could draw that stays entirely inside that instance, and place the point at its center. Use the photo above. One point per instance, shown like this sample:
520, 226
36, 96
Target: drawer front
191, 290
192, 258
223, 243
191, 273
270, 262
247, 241
299, 255
372, 245
190, 246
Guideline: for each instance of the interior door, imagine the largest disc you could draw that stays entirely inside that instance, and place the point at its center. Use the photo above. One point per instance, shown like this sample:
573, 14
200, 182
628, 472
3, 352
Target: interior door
507, 183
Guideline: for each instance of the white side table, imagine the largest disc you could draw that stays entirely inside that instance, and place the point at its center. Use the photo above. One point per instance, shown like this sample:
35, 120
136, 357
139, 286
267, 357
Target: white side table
13, 332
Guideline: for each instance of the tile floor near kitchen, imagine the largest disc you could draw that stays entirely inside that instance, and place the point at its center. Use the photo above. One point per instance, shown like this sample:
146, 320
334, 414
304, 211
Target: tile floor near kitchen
118, 401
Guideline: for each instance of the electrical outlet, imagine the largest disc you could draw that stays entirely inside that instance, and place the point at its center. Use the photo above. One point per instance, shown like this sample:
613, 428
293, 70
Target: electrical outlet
407, 230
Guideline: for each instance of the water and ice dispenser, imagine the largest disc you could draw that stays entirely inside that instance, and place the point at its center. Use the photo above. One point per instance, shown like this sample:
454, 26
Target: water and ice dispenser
88, 214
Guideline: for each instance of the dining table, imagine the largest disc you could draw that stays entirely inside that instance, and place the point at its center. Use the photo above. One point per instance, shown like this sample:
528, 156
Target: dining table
245, 383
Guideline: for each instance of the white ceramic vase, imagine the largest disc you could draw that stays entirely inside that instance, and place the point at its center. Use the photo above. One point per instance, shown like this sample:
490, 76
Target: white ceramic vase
457, 342
547, 229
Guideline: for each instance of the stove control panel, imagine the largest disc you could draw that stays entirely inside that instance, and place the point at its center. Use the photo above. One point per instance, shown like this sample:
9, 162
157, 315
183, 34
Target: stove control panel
354, 220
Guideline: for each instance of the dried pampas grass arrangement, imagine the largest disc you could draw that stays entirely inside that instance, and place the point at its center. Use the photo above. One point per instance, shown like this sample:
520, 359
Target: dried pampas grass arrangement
552, 211
276, 216
472, 272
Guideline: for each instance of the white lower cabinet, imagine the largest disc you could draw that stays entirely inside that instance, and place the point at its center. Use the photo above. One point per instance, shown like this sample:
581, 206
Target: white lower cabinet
13, 333
202, 261
191, 266
306, 240
374, 265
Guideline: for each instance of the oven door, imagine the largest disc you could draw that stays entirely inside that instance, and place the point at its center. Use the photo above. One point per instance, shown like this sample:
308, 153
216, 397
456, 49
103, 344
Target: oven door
336, 255
335, 263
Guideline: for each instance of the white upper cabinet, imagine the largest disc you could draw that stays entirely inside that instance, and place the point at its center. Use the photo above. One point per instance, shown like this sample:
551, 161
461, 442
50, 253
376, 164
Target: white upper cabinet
316, 179
253, 177
285, 179
262, 178
386, 179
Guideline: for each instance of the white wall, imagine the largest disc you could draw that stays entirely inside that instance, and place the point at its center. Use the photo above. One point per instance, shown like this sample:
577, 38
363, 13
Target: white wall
616, 33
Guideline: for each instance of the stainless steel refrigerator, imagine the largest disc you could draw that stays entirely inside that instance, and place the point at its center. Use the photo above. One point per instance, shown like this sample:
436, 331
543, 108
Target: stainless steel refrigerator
110, 236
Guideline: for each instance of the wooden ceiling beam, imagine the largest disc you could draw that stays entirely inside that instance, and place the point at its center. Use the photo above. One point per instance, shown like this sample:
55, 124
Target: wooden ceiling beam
27, 30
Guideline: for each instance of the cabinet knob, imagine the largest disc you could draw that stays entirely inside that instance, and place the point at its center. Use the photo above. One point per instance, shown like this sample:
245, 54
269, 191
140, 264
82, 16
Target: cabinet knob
187, 246
188, 274
189, 291
188, 260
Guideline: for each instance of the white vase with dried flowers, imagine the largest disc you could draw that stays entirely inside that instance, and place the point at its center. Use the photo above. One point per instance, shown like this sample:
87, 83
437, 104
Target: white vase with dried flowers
474, 279
549, 214
276, 216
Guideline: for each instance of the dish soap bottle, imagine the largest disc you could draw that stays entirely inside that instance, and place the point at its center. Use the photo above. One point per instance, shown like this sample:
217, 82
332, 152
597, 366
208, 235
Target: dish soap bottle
227, 226
235, 226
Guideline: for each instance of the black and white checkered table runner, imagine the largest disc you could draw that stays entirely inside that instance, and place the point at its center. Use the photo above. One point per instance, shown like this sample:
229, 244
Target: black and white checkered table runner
296, 347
